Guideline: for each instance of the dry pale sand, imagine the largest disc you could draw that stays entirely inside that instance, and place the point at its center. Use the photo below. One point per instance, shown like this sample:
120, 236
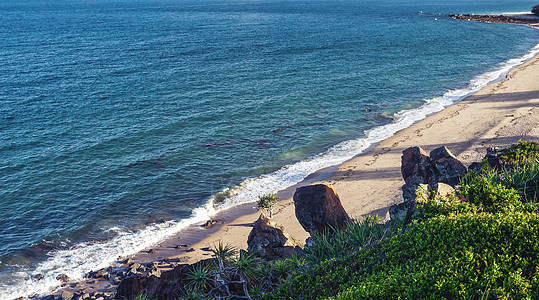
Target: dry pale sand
498, 115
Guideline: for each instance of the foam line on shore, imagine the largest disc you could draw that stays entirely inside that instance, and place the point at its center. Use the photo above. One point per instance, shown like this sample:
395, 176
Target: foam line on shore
82, 258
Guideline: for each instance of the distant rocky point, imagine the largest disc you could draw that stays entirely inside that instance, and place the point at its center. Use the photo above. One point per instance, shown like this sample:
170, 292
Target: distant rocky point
526, 19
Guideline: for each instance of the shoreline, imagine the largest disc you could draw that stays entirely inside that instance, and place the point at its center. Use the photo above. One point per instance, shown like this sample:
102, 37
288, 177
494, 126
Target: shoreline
376, 172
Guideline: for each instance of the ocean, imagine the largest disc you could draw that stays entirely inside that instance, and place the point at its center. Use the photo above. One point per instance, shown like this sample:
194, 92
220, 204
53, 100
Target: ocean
123, 122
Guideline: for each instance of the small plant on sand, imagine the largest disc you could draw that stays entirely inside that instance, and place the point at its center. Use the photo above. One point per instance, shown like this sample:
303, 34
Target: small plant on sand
267, 202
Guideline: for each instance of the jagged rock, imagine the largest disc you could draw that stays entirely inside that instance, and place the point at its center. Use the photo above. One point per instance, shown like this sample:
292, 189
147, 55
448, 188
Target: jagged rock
318, 208
102, 273
209, 224
268, 240
494, 158
49, 297
494, 18
66, 295
419, 168
475, 166
448, 169
151, 251
135, 268
168, 286
416, 169
126, 261
38, 277
62, 277
407, 210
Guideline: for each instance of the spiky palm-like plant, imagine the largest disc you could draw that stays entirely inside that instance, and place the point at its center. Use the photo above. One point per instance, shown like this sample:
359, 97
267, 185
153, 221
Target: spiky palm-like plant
267, 202
199, 277
247, 266
223, 253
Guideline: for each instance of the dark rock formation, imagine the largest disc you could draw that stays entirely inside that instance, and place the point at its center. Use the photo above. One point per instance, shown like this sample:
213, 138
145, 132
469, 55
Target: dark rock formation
318, 208
447, 167
416, 169
494, 158
407, 210
62, 277
102, 273
135, 268
268, 240
169, 285
419, 168
475, 166
495, 18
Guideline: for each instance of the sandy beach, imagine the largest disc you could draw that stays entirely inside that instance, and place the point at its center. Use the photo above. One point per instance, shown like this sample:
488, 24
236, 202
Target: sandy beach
496, 116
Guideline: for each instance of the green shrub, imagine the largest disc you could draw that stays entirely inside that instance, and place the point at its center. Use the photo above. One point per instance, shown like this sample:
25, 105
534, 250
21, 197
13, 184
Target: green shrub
489, 196
436, 205
524, 179
464, 256
520, 153
356, 235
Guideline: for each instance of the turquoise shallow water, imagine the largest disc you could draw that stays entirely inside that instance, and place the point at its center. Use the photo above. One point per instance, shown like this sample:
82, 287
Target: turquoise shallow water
114, 114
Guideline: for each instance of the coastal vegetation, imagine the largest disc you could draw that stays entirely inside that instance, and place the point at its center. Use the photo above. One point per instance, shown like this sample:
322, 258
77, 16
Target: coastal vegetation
479, 242
266, 202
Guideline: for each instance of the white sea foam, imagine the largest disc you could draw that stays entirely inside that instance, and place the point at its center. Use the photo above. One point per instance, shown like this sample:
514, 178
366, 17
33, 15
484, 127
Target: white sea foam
85, 257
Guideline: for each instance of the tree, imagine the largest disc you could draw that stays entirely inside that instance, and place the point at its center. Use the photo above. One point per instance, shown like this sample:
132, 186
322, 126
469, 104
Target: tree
267, 202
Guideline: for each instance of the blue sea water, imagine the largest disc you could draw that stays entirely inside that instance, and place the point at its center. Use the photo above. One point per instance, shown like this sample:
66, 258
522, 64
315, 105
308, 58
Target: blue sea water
115, 114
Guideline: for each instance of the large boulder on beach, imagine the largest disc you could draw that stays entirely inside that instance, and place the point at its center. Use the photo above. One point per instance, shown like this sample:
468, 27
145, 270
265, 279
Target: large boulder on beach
318, 208
268, 240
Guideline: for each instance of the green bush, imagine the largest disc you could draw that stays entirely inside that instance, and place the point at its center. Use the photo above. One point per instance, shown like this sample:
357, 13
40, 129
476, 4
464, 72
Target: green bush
523, 178
520, 153
356, 235
490, 196
429, 207
465, 256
